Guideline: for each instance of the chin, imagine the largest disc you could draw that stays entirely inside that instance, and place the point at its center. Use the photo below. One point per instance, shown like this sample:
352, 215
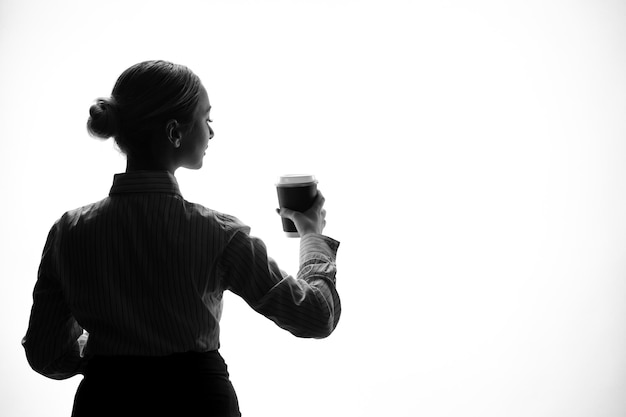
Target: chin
197, 165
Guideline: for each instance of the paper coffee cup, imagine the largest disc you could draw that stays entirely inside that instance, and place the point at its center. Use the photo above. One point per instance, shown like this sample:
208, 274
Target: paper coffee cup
296, 192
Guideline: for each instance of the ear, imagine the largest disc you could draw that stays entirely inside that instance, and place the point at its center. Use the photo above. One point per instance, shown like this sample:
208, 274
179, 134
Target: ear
174, 132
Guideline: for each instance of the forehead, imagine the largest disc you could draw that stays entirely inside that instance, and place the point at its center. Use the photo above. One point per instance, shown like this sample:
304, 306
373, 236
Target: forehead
203, 101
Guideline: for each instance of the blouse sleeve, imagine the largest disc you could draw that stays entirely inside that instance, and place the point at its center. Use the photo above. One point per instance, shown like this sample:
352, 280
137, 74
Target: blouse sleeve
306, 306
51, 341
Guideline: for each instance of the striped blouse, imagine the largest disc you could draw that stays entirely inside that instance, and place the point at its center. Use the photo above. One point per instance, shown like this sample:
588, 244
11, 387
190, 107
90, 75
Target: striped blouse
143, 271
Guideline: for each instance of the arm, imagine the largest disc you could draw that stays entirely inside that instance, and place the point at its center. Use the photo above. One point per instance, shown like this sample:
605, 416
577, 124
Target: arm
306, 306
51, 341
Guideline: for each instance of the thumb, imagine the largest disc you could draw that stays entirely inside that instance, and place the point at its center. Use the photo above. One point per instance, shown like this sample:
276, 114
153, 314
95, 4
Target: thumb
319, 201
285, 212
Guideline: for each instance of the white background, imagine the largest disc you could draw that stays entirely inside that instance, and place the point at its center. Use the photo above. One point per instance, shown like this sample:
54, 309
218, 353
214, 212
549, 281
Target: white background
473, 158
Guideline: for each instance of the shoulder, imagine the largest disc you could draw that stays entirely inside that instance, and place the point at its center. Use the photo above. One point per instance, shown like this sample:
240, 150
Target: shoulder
81, 214
73, 220
226, 222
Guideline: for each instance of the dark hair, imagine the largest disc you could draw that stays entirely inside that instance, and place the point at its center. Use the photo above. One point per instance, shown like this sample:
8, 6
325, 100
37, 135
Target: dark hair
144, 97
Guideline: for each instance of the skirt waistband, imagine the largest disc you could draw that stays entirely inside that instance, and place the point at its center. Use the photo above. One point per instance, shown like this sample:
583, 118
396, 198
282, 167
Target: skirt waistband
210, 362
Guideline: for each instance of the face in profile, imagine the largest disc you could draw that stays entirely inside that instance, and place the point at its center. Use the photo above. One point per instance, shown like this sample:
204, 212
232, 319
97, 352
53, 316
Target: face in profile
194, 144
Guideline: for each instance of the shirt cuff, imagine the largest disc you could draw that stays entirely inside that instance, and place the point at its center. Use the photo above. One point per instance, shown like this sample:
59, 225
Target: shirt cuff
315, 246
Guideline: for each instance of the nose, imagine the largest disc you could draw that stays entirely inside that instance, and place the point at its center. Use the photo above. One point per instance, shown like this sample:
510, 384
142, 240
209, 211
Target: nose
211, 133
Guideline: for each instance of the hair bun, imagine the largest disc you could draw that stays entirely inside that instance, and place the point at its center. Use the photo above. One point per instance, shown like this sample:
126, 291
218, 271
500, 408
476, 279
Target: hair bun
103, 119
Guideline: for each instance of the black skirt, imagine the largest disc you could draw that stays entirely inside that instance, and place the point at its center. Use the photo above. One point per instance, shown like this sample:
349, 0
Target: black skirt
183, 384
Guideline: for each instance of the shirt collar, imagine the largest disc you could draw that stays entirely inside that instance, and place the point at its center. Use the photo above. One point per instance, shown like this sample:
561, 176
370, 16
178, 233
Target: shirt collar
145, 182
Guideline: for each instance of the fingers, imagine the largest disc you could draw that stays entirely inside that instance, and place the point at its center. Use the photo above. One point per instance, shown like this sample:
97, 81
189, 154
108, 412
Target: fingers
285, 212
311, 221
317, 205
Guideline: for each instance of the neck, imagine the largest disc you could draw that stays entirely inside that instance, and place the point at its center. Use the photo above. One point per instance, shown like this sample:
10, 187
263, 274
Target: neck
137, 164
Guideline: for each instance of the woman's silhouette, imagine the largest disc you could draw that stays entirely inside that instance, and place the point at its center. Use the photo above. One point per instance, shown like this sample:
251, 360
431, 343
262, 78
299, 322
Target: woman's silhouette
139, 275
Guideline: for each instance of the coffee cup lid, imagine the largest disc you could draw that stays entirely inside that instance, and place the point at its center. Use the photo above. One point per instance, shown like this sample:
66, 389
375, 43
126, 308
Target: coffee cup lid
289, 179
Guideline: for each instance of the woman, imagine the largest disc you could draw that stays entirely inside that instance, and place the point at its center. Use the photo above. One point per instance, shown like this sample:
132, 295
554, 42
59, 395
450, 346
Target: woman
142, 272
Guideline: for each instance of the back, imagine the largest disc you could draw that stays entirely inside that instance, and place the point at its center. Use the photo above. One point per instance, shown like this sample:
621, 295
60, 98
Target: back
139, 272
